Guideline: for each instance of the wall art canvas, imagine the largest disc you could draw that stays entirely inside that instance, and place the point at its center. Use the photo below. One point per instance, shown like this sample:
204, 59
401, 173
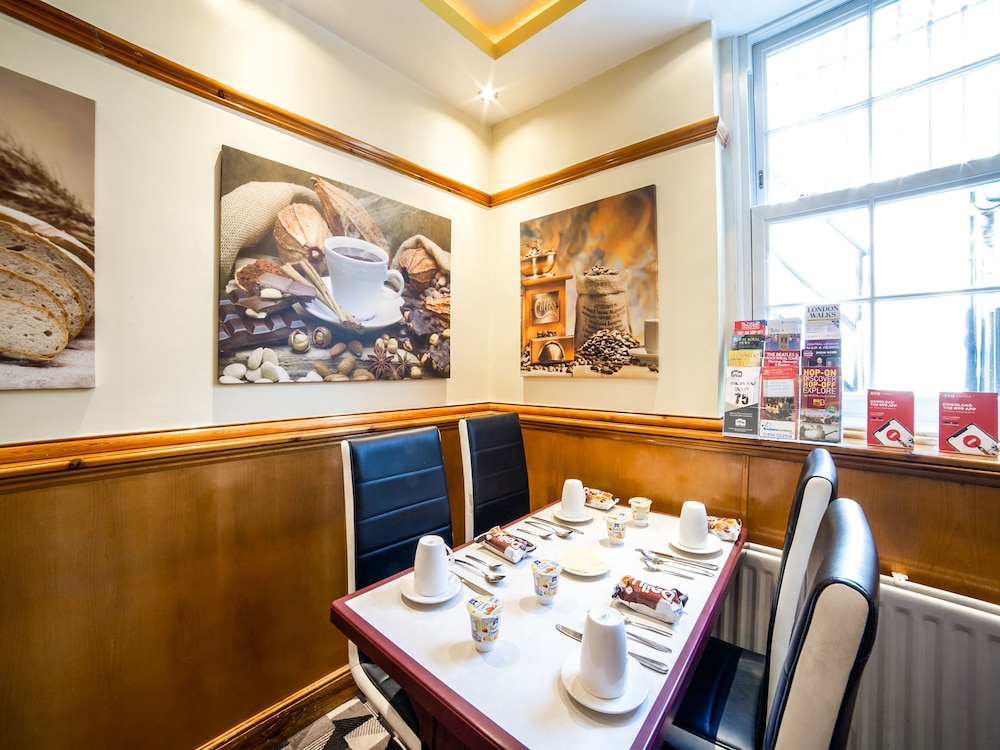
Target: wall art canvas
320, 281
589, 290
47, 249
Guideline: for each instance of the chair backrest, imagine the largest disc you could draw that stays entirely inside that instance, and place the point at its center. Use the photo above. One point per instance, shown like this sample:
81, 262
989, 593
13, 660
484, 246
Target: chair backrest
495, 472
833, 636
395, 492
816, 488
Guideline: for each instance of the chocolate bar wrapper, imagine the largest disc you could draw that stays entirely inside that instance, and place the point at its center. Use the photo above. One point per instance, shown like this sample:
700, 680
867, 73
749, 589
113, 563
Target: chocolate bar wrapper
663, 604
514, 548
727, 529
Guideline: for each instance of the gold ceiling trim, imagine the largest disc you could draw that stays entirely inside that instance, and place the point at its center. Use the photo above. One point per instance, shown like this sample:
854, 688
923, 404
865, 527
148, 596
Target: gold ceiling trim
496, 46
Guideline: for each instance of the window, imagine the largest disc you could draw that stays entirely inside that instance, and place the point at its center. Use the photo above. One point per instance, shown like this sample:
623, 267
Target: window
876, 165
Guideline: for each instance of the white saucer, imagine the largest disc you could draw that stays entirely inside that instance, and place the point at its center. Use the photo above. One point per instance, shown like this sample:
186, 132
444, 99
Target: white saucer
406, 589
386, 315
713, 545
587, 519
643, 356
635, 692
585, 573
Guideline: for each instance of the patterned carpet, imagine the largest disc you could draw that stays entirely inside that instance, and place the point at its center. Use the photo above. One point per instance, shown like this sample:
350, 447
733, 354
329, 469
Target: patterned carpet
350, 726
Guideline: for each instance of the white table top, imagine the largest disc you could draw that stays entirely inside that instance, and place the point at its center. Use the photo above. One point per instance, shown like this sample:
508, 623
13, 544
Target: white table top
517, 686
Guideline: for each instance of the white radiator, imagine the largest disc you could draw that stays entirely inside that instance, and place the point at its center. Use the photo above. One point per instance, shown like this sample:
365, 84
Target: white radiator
933, 681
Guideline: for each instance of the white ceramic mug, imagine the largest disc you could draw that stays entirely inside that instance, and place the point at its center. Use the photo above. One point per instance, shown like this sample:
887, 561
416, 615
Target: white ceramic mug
359, 276
572, 499
651, 335
431, 566
603, 654
693, 530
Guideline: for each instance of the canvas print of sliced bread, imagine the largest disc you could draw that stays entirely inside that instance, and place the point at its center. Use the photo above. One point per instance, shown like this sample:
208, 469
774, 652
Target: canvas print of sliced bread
47, 256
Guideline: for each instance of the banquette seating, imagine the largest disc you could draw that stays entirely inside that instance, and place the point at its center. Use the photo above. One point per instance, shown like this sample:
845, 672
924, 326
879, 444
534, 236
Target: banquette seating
395, 492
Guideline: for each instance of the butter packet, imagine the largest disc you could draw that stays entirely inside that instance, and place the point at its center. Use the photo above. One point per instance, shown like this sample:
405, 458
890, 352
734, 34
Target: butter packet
727, 529
649, 599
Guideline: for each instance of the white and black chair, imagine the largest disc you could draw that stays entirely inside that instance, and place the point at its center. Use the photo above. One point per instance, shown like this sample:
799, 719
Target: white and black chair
494, 470
395, 492
728, 673
832, 639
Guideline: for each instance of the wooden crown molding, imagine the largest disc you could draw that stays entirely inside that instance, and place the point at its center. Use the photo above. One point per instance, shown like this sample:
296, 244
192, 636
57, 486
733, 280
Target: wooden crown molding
74, 30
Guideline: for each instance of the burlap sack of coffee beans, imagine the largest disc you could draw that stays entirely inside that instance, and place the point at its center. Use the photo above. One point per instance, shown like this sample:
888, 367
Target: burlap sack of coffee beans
247, 213
601, 303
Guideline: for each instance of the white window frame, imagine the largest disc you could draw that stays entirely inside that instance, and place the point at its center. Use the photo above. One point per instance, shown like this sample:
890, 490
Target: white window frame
752, 216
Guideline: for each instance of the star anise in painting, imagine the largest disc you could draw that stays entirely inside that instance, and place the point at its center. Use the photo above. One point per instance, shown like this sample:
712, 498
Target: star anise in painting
381, 365
401, 367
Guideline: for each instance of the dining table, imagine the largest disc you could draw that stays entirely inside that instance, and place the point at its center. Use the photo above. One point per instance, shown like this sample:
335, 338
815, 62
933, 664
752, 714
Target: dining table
522, 693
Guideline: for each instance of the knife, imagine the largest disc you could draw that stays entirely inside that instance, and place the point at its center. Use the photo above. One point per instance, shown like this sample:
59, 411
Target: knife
558, 525
474, 587
647, 642
656, 666
686, 561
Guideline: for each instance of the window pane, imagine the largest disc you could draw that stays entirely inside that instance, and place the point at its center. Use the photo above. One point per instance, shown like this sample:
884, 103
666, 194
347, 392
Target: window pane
821, 75
936, 243
937, 344
818, 258
818, 157
951, 122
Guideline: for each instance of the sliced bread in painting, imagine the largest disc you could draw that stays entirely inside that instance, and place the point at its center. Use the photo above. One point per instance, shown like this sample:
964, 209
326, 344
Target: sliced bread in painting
65, 240
48, 277
18, 287
76, 271
30, 331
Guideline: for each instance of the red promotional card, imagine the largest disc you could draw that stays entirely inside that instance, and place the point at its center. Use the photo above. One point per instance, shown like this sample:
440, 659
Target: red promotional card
890, 418
967, 423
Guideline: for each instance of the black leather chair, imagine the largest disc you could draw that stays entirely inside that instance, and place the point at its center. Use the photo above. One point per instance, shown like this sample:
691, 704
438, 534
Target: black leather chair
728, 673
395, 492
495, 472
817, 684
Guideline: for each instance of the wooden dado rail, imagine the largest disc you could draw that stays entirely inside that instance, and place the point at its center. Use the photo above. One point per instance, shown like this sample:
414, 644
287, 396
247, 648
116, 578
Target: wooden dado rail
172, 589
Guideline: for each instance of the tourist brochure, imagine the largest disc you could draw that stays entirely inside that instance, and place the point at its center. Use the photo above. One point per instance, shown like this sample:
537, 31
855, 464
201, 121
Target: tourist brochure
741, 399
967, 423
820, 407
779, 381
890, 419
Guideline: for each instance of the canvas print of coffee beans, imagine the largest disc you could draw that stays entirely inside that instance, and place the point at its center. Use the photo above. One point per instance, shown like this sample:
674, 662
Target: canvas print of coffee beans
588, 287
325, 282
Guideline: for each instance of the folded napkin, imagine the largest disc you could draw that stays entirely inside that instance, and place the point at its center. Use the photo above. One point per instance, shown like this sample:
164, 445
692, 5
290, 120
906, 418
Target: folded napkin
649, 599
727, 529
514, 548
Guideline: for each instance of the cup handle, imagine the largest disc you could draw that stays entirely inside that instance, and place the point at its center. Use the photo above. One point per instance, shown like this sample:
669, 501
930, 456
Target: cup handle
390, 291
451, 556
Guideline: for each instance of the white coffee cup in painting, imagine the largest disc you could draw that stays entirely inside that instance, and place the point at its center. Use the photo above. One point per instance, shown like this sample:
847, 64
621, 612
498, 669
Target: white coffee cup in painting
572, 499
431, 566
651, 336
693, 531
604, 654
360, 277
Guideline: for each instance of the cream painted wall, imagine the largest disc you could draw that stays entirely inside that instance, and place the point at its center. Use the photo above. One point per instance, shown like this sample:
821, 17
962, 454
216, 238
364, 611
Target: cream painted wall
157, 197
671, 86
157, 236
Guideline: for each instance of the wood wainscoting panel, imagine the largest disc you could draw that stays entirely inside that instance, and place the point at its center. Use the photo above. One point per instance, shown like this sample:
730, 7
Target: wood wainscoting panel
664, 469
158, 608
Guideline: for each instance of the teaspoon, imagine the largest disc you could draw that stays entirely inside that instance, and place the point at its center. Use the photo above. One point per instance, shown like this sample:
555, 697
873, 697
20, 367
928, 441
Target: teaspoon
495, 567
490, 577
561, 533
539, 534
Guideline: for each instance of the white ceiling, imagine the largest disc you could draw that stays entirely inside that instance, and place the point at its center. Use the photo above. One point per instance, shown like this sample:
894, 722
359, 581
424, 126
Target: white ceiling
595, 36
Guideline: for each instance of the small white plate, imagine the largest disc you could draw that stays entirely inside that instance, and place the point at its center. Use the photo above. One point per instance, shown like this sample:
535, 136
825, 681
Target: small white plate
585, 573
406, 589
635, 692
387, 314
566, 519
713, 545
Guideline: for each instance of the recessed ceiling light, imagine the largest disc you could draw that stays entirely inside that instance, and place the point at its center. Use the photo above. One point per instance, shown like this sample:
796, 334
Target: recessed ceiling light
489, 94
